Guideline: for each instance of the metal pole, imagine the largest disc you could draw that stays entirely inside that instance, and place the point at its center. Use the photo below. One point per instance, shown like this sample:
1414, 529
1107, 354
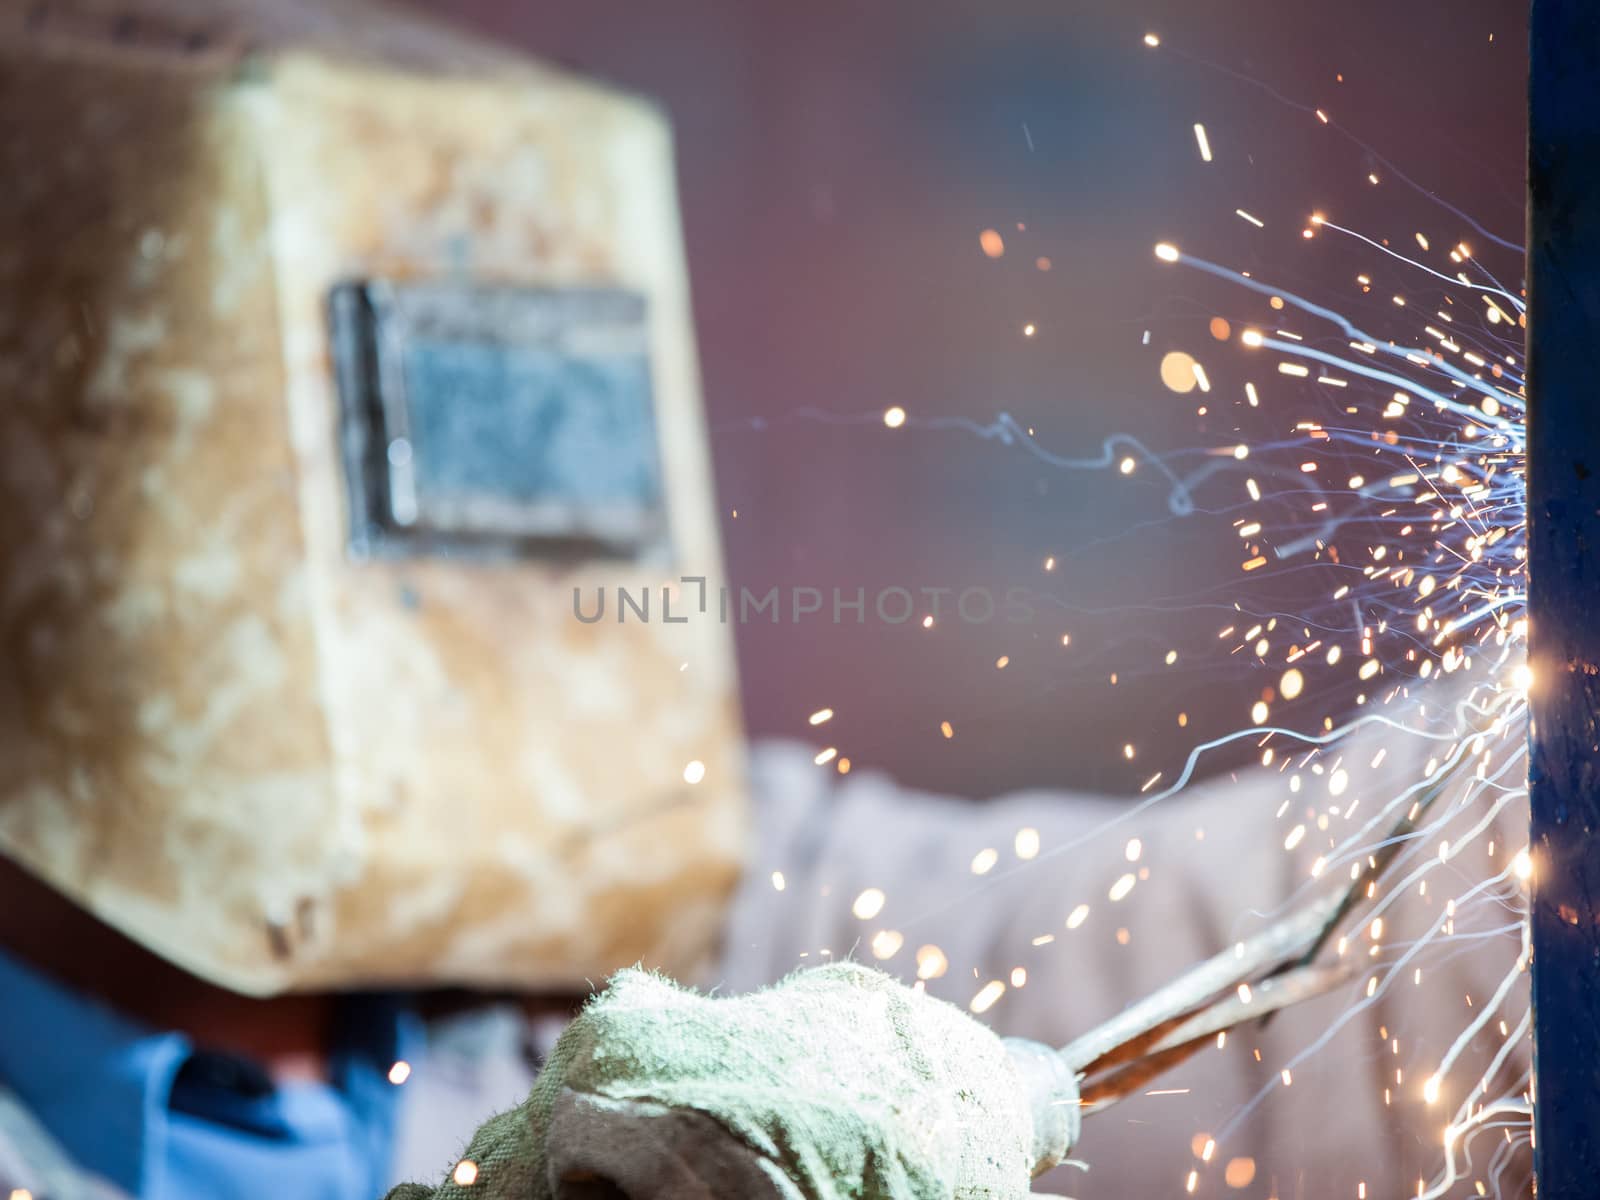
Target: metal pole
1564, 589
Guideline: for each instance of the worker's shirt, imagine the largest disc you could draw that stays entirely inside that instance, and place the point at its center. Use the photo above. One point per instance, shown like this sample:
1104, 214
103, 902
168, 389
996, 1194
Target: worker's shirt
93, 1105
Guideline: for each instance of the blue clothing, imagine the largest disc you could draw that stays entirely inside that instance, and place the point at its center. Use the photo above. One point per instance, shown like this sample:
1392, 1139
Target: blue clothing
165, 1120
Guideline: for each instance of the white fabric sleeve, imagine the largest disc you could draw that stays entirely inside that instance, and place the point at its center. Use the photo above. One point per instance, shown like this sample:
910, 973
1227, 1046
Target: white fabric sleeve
1211, 866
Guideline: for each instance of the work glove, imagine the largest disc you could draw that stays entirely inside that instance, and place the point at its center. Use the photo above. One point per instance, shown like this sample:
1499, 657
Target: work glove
837, 1084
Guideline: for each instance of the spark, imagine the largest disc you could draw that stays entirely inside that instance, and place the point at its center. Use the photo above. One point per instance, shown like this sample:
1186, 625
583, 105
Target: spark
886, 943
1523, 865
1522, 678
987, 996
868, 904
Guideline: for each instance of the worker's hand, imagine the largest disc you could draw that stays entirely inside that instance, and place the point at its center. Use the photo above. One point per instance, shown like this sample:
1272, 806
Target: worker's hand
839, 1082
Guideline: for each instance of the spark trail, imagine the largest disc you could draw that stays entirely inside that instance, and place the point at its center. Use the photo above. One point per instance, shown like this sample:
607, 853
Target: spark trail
1402, 486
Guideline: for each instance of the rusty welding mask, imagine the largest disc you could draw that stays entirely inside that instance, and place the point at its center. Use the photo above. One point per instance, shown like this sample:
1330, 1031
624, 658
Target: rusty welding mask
338, 352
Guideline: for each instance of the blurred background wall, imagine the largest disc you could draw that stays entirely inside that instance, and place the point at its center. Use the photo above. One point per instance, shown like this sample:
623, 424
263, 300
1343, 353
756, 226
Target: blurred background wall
838, 161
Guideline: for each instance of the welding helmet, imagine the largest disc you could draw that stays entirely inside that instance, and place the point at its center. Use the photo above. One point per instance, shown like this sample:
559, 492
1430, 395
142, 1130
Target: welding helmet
341, 356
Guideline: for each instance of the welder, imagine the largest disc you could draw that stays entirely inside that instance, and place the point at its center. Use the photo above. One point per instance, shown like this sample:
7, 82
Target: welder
340, 350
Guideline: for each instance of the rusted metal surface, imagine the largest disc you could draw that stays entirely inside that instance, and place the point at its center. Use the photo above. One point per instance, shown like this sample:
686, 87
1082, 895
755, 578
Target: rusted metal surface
1564, 588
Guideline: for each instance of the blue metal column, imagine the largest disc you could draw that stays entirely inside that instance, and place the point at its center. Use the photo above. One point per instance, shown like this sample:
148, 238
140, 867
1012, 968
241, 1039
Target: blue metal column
1564, 589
